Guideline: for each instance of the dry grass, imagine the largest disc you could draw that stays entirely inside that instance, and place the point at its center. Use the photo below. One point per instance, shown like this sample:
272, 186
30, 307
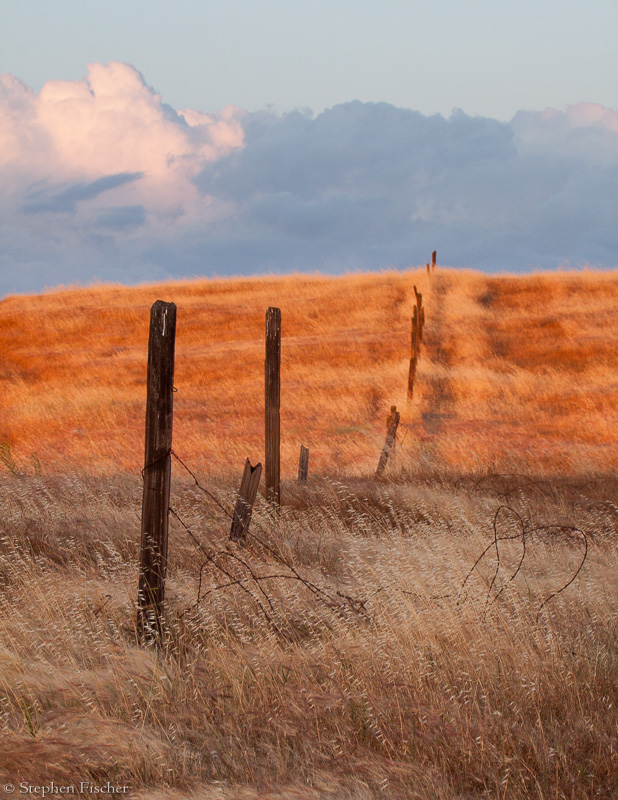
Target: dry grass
430, 692
395, 683
517, 373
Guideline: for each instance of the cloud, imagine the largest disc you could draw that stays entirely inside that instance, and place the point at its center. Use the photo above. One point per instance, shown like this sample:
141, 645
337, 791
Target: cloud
67, 199
100, 178
123, 218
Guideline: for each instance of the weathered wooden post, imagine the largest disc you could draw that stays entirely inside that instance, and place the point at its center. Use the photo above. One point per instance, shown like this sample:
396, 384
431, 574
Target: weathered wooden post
157, 470
433, 261
272, 374
421, 313
414, 353
390, 416
303, 463
391, 436
244, 503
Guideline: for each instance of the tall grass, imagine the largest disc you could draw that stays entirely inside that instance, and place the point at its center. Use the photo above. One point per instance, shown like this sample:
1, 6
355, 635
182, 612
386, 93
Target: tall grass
357, 648
422, 691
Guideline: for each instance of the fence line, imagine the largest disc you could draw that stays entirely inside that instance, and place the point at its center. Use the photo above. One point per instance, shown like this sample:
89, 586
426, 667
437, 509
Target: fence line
158, 453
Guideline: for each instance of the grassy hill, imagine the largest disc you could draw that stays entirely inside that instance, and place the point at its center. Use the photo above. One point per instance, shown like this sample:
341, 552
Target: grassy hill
517, 373
448, 633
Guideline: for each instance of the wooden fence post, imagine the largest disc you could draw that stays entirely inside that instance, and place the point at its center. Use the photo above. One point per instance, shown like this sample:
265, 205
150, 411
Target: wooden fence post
157, 470
391, 436
414, 353
421, 313
303, 463
244, 503
433, 261
272, 374
428, 269
389, 417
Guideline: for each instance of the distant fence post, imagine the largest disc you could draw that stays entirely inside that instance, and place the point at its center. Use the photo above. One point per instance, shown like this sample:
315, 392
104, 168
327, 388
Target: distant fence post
428, 269
421, 313
157, 470
303, 463
272, 374
414, 353
391, 436
244, 503
389, 417
433, 261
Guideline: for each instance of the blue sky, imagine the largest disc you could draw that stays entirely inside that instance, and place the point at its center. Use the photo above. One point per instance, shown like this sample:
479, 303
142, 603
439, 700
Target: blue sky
145, 140
488, 57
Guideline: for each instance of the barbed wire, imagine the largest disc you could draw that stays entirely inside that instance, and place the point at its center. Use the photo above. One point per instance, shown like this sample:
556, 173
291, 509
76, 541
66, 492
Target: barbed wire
324, 596
329, 598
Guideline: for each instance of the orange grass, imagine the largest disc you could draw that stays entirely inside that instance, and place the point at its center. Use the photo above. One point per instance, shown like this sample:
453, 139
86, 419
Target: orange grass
516, 372
423, 691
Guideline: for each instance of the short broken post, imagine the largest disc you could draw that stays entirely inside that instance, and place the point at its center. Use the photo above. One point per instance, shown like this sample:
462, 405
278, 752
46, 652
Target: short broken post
303, 463
391, 437
157, 471
428, 269
272, 385
245, 501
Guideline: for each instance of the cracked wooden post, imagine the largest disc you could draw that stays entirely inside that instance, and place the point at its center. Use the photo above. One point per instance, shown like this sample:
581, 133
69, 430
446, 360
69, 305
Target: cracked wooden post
303, 463
244, 502
433, 261
391, 436
157, 471
272, 385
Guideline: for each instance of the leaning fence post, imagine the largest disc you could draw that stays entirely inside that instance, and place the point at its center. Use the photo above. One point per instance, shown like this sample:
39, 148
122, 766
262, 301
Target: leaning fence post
244, 503
272, 383
303, 463
391, 436
389, 417
157, 470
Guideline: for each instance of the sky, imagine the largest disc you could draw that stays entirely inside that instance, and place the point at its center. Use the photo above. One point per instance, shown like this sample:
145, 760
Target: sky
147, 140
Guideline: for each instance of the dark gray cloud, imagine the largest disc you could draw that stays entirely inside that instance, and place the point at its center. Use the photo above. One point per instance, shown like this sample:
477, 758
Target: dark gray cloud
377, 186
66, 200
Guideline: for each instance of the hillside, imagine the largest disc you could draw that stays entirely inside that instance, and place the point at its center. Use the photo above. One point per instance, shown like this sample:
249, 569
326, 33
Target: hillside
517, 373
447, 633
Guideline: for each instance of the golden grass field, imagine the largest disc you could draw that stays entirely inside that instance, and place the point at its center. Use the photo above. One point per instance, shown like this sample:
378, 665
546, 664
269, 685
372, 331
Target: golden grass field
517, 373
361, 651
